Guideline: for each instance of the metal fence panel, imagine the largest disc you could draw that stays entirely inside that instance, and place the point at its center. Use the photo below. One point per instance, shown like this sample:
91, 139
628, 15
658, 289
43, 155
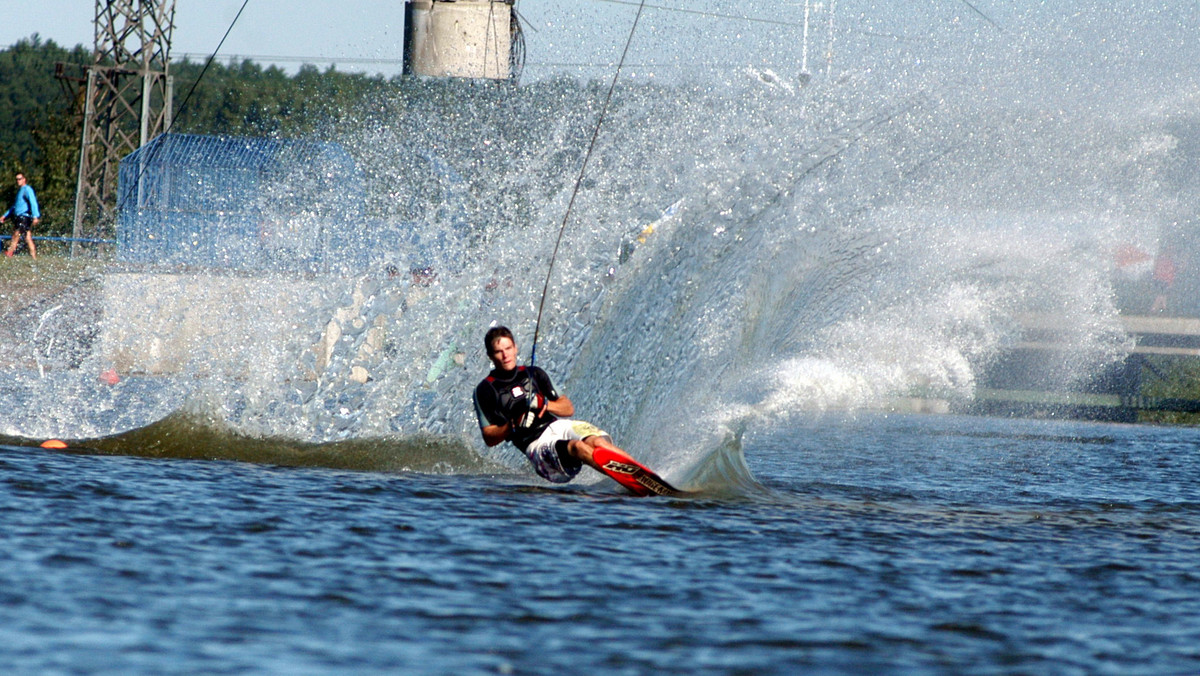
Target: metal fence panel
241, 203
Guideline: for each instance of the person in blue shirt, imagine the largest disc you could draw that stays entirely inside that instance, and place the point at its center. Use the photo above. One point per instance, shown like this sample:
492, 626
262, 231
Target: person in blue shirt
25, 215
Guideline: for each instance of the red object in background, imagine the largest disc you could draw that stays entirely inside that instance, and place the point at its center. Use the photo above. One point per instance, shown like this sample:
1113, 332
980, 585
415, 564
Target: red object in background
1128, 254
1165, 269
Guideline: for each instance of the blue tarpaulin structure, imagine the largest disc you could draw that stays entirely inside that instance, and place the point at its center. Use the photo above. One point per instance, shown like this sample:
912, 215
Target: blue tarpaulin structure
242, 203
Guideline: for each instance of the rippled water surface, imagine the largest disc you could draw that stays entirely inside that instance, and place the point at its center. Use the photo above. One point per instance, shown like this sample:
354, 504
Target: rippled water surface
286, 475
901, 544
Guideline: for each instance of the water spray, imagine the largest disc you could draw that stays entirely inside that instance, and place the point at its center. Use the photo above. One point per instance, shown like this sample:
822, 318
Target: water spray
805, 76
579, 180
36, 353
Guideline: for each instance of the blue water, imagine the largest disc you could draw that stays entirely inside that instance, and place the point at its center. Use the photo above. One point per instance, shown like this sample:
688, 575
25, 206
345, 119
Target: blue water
869, 544
288, 477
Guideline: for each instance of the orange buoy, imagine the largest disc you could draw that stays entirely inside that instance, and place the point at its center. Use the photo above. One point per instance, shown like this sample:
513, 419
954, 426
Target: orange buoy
54, 443
109, 377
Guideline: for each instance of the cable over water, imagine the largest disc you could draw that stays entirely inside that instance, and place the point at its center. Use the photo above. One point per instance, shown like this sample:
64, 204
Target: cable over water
579, 179
188, 97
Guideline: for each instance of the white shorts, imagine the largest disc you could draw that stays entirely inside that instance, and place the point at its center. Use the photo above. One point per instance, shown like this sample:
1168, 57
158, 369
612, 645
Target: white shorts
550, 459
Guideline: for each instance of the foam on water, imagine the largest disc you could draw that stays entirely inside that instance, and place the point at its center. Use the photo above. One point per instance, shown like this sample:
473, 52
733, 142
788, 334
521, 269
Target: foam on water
874, 234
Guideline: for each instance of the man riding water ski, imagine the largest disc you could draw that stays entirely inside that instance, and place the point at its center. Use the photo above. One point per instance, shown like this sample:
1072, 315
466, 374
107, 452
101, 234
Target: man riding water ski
519, 404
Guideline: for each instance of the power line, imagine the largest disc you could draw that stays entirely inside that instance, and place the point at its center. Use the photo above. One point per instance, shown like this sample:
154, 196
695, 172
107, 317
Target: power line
776, 22
266, 58
579, 180
381, 61
297, 59
980, 13
273, 58
698, 12
186, 99
212, 56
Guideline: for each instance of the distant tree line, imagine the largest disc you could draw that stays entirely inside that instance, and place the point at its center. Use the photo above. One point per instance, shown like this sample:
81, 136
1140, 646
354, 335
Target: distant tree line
41, 126
38, 130
493, 134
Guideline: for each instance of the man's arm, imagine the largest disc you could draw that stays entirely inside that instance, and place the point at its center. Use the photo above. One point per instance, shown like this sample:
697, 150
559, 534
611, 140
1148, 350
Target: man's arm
561, 407
494, 435
558, 404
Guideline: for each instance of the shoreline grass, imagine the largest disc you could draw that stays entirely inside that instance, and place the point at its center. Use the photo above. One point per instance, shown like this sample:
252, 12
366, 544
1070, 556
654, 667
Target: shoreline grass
24, 281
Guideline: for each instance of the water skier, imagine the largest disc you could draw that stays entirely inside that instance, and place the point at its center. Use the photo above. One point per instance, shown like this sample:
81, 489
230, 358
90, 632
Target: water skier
519, 404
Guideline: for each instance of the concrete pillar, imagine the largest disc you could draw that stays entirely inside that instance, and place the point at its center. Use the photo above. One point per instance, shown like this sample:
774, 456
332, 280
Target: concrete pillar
458, 38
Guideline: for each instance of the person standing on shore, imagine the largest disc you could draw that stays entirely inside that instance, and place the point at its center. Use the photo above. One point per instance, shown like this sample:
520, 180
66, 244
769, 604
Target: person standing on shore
25, 214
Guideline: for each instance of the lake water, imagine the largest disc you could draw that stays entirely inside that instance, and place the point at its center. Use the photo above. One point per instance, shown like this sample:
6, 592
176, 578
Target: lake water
287, 477
867, 544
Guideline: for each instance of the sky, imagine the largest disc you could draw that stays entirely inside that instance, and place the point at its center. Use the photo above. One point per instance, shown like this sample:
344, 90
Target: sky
673, 37
367, 35
369, 30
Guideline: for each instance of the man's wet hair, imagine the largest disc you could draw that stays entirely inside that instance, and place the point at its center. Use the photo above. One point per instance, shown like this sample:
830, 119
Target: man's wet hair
494, 333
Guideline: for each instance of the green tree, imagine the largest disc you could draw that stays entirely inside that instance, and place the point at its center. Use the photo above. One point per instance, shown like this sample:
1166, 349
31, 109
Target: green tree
39, 132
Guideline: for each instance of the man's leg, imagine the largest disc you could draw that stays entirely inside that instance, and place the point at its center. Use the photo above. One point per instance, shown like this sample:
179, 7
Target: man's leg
583, 450
620, 467
29, 241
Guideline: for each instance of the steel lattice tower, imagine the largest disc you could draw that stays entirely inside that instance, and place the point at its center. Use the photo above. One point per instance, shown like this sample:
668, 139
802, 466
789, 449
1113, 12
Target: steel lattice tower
127, 100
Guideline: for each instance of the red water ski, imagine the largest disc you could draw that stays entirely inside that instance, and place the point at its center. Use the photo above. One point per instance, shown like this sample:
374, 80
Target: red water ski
631, 474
